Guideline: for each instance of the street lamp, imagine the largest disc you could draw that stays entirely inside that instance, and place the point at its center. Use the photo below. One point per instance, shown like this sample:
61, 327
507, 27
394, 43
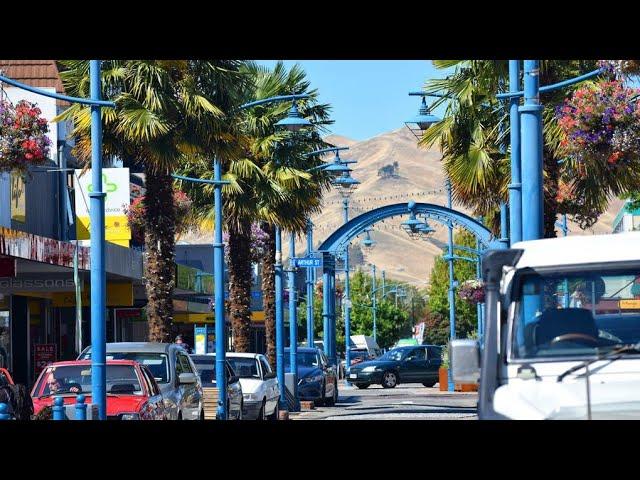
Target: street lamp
293, 122
336, 168
368, 243
421, 122
426, 230
346, 184
413, 226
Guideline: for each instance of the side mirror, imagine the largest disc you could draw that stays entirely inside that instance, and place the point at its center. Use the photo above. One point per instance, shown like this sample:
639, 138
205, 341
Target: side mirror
270, 375
187, 378
464, 358
233, 379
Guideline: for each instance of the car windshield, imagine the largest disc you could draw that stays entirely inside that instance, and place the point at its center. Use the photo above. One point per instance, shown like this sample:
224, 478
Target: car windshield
305, 359
158, 363
576, 314
121, 379
245, 367
394, 355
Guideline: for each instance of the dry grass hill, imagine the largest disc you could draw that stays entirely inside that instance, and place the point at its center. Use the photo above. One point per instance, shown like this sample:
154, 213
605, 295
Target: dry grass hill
418, 177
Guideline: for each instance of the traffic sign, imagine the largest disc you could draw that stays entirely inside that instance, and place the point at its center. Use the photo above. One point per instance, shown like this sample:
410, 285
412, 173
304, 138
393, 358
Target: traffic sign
306, 262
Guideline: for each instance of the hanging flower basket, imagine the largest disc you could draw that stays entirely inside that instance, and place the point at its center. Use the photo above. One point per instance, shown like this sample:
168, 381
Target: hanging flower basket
135, 214
620, 68
472, 291
23, 137
601, 126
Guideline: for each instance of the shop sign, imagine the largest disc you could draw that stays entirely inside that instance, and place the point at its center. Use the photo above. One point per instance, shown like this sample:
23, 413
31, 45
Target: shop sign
43, 355
18, 199
46, 283
115, 183
629, 304
118, 295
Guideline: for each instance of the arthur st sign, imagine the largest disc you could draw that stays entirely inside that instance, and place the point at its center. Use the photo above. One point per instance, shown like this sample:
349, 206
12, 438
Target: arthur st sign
306, 262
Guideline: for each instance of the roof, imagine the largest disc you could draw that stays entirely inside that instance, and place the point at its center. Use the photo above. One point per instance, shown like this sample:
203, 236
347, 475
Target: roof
125, 347
67, 363
36, 73
579, 249
304, 349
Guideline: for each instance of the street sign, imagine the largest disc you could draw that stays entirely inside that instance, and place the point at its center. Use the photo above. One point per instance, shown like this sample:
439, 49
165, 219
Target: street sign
306, 262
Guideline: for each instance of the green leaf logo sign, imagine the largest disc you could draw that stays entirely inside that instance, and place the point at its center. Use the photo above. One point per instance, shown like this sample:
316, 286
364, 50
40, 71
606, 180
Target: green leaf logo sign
111, 187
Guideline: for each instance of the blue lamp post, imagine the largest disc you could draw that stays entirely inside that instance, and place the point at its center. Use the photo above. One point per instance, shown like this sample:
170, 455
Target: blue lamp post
336, 168
96, 214
293, 122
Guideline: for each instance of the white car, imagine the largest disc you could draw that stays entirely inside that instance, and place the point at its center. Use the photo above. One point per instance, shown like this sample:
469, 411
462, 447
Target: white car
260, 388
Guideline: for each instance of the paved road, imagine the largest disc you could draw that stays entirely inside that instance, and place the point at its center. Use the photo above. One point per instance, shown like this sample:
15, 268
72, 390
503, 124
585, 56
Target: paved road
405, 402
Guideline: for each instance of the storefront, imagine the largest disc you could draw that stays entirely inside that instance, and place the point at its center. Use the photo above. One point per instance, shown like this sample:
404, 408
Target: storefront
40, 321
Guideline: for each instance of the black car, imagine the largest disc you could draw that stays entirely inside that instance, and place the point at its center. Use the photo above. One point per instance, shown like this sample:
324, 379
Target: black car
414, 364
317, 379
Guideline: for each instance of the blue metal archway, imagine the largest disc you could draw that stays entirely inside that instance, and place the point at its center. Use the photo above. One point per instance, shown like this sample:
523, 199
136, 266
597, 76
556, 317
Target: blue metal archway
339, 239
343, 235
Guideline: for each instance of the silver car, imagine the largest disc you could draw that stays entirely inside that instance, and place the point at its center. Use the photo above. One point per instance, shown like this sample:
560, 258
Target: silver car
173, 370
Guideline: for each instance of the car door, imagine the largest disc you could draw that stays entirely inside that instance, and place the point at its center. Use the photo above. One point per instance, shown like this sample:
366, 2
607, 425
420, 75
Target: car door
272, 392
329, 374
434, 360
155, 403
414, 366
189, 392
234, 393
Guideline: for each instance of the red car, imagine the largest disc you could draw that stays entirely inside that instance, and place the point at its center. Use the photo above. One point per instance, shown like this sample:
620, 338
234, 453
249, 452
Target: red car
132, 392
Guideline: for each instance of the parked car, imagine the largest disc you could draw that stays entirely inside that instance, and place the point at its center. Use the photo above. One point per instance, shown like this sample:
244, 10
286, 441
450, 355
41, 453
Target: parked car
260, 388
173, 370
357, 356
132, 392
206, 367
317, 379
402, 364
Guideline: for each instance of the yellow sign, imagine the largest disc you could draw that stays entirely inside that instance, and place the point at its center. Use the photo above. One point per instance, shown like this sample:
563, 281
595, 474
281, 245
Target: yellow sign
629, 304
193, 317
256, 317
18, 199
118, 295
116, 227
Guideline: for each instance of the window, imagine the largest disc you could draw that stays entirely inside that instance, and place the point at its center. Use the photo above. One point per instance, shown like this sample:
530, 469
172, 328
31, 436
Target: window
266, 368
417, 354
564, 314
435, 353
186, 365
245, 367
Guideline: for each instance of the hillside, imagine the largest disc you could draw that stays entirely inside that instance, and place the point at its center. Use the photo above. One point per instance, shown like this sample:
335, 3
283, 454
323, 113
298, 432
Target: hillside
418, 176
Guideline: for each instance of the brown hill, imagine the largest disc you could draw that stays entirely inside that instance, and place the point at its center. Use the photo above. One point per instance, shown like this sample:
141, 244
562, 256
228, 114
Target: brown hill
417, 176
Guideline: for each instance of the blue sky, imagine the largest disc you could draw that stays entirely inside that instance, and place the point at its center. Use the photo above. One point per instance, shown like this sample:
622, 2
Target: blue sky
368, 97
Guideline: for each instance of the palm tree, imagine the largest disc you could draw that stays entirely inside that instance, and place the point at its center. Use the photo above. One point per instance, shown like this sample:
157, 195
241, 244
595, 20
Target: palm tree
166, 112
268, 185
474, 138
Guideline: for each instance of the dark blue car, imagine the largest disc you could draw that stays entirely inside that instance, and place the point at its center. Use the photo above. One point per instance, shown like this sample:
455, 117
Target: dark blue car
317, 380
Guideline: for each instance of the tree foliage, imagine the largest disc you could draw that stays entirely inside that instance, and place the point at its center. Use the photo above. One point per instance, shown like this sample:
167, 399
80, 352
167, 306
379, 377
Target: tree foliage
437, 320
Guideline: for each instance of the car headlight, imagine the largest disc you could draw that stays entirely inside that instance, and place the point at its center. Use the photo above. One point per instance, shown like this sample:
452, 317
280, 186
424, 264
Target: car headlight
315, 378
130, 416
250, 397
371, 369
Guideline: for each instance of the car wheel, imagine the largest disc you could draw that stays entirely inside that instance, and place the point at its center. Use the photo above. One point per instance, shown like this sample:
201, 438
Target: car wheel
179, 415
362, 386
239, 416
262, 413
276, 413
429, 384
389, 379
201, 414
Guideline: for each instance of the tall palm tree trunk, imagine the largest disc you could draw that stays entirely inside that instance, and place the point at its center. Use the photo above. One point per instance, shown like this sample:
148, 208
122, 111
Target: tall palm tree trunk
269, 291
240, 285
159, 239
